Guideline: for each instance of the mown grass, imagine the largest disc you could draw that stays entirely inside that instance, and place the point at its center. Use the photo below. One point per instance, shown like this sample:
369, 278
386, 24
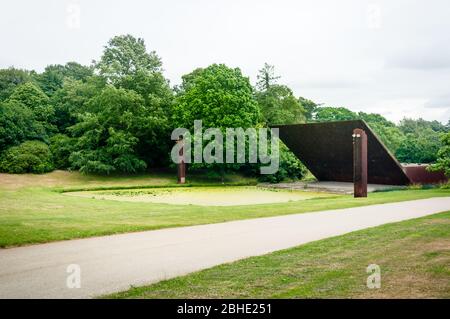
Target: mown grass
413, 255
33, 209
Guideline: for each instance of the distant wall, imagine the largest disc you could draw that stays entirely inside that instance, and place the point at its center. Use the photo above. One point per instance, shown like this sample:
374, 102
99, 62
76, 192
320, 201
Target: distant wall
418, 174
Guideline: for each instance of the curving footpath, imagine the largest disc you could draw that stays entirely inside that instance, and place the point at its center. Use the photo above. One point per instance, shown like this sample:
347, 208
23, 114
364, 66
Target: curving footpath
113, 263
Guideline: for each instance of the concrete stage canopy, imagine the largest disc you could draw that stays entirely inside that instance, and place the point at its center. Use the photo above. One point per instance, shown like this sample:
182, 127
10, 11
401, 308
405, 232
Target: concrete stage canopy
327, 151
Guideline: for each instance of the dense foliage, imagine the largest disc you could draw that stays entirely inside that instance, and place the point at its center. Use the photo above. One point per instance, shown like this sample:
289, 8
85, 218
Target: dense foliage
28, 157
218, 95
221, 97
116, 115
443, 156
107, 136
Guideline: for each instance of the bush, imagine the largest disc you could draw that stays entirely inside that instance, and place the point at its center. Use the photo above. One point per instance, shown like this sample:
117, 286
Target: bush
290, 168
28, 157
445, 185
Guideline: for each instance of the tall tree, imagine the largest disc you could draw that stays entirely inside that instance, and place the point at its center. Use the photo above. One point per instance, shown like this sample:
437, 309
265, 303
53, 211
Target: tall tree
266, 77
220, 96
109, 133
277, 102
279, 106
126, 64
309, 106
126, 55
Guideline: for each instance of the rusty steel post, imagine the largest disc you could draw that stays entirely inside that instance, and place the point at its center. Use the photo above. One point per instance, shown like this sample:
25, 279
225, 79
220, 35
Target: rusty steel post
181, 164
359, 163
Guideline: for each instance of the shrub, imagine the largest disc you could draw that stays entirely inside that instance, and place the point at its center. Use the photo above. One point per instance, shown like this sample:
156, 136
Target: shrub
445, 185
28, 157
290, 168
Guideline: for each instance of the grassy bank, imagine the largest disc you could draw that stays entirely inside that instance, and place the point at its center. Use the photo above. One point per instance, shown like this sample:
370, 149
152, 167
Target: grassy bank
33, 209
414, 258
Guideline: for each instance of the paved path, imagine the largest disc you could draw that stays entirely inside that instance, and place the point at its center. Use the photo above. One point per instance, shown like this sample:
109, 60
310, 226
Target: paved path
113, 263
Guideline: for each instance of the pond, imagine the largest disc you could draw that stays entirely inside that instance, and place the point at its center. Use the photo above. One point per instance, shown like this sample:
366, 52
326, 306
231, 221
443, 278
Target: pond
203, 196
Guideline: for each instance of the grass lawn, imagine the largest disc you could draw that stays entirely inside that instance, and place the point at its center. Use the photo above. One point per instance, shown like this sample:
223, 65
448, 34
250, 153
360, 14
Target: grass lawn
413, 255
34, 210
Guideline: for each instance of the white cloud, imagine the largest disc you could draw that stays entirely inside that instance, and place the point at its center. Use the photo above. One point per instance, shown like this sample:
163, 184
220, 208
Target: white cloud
442, 101
362, 54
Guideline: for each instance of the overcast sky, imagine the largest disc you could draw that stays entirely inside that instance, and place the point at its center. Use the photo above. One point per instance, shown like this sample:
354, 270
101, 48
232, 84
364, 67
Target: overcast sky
390, 57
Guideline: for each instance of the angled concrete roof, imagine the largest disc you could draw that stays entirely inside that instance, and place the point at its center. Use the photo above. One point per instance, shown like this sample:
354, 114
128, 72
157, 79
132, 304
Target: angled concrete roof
327, 151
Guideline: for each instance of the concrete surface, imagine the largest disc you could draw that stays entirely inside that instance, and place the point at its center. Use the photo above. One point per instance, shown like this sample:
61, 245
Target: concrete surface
331, 187
113, 263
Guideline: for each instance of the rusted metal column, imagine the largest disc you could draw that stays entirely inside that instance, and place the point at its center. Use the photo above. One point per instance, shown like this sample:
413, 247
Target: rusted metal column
181, 164
360, 163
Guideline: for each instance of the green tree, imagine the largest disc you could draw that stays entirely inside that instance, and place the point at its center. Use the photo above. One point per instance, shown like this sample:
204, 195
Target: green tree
26, 114
387, 131
219, 96
309, 106
126, 64
52, 79
421, 142
34, 98
375, 118
109, 133
28, 157
443, 156
391, 136
17, 124
10, 78
277, 103
72, 100
419, 147
414, 126
279, 106
328, 113
126, 55
61, 147
290, 168
266, 77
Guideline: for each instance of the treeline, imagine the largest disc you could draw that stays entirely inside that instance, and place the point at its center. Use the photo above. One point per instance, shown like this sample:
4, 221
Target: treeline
116, 115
